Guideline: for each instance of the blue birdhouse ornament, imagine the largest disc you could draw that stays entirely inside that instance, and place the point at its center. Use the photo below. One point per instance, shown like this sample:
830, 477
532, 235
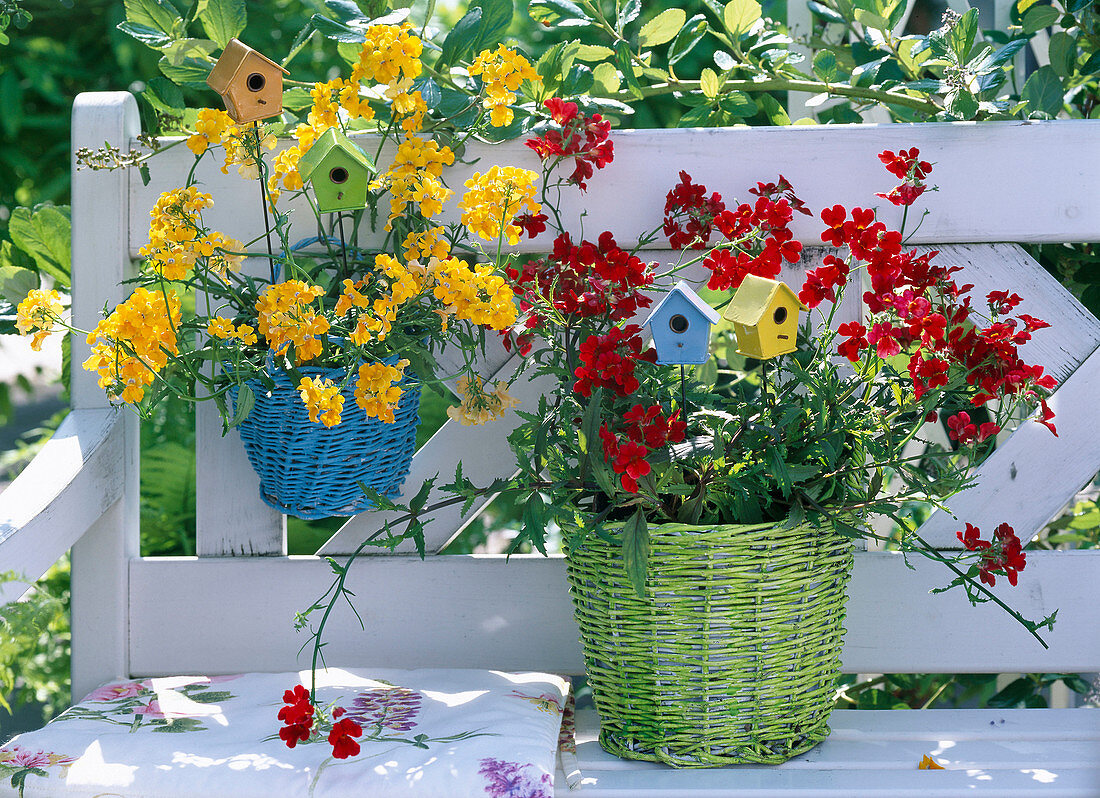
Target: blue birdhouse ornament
680, 325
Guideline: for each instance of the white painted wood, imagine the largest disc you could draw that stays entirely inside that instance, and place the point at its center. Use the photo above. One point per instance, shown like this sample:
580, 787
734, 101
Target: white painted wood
478, 612
70, 484
979, 199
100, 210
230, 517
1031, 476
875, 753
100, 227
800, 27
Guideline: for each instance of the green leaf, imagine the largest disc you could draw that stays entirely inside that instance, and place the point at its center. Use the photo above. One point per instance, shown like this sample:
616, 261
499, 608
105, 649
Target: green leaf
740, 15
345, 10
44, 234
825, 12
961, 104
534, 521
496, 17
777, 114
191, 73
181, 49
869, 19
16, 282
1062, 52
961, 37
461, 39
246, 400
825, 66
629, 12
708, 82
706, 374
662, 28
626, 67
1043, 91
164, 95
779, 471
156, 14
150, 37
636, 551
337, 31
606, 78
1038, 18
558, 12
223, 20
594, 52
689, 36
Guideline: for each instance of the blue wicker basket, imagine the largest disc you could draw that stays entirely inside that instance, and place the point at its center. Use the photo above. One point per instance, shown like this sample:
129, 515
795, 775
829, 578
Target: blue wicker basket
312, 471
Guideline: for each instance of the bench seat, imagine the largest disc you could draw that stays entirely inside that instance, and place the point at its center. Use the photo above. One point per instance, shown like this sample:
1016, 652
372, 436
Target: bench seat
874, 754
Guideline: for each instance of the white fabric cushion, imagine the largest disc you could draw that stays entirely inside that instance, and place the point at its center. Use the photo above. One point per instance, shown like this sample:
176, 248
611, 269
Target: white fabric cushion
437, 733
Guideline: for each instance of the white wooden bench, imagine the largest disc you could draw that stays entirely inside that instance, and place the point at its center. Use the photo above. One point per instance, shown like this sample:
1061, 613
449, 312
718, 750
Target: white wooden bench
230, 609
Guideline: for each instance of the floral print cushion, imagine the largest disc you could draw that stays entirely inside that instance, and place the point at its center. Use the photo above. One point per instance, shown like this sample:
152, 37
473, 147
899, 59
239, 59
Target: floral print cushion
453, 733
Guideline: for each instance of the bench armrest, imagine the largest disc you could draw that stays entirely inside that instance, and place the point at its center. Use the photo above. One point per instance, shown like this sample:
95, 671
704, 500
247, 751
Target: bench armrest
76, 477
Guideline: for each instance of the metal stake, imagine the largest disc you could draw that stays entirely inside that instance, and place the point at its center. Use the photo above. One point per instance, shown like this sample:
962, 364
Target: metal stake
263, 202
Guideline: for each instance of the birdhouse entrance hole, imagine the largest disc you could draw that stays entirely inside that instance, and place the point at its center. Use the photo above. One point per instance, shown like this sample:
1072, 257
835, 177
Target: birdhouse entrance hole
256, 82
780, 315
338, 175
678, 323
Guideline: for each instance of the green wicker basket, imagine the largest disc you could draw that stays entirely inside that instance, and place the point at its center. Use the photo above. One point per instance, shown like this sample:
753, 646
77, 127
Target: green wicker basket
731, 656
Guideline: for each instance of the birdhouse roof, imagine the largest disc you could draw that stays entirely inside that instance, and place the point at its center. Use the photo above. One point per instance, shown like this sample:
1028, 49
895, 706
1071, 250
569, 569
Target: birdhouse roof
331, 139
229, 64
683, 289
754, 297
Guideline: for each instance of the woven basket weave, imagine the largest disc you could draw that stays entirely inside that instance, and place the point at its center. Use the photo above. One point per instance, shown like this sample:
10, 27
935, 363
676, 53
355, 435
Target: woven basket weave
732, 655
312, 471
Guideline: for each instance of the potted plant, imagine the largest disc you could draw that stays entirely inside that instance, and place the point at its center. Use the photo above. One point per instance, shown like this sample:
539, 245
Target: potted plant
320, 353
708, 523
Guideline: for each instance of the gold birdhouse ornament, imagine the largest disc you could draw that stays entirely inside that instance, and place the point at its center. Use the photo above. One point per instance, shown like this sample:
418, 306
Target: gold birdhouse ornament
250, 84
765, 317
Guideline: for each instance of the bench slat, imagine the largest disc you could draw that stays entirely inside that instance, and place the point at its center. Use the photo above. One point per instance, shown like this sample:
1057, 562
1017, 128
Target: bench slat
485, 612
1004, 753
1053, 161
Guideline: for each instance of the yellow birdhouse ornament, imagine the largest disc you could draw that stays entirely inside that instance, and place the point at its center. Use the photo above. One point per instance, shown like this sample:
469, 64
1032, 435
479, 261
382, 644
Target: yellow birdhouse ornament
765, 317
250, 83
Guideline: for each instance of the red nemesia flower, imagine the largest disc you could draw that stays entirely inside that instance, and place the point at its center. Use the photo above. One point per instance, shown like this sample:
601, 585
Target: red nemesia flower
856, 335
583, 138
532, 223
608, 361
1003, 555
341, 738
1047, 414
644, 429
297, 716
960, 429
689, 214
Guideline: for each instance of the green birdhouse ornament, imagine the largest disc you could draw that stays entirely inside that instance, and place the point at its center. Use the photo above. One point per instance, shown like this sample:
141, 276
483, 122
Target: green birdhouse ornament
338, 171
250, 84
765, 317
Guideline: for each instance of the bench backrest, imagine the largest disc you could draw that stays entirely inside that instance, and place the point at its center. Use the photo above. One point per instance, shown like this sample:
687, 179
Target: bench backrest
231, 608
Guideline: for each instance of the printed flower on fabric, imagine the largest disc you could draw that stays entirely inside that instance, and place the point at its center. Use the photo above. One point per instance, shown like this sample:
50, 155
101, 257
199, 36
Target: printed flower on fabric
393, 708
514, 780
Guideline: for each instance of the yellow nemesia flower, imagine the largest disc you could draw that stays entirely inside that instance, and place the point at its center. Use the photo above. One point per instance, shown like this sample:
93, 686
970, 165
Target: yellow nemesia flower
377, 391
502, 73
323, 400
286, 317
38, 311
390, 53
494, 199
478, 407
132, 345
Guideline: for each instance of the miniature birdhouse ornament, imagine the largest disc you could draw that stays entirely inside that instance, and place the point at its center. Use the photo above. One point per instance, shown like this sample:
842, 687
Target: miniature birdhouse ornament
338, 171
681, 325
765, 317
250, 84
